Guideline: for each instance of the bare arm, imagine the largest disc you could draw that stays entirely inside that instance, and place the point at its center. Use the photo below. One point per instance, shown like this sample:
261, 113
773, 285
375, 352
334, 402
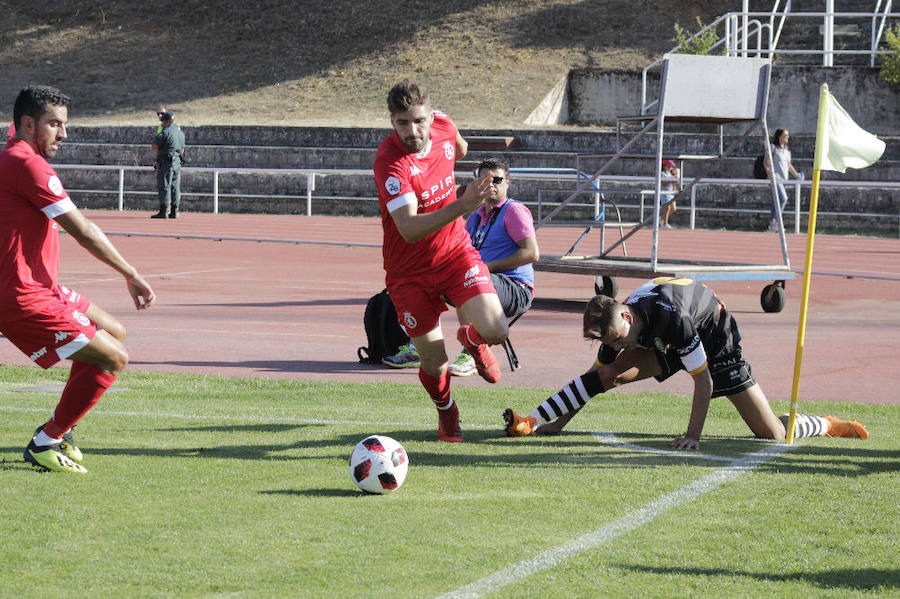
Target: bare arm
462, 146
699, 408
95, 241
414, 226
526, 254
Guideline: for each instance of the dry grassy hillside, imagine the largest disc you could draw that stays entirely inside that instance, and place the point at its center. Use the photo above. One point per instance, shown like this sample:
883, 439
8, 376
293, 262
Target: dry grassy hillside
321, 63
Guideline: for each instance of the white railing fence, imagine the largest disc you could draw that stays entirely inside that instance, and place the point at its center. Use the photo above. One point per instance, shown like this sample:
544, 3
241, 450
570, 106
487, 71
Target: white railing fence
569, 176
746, 33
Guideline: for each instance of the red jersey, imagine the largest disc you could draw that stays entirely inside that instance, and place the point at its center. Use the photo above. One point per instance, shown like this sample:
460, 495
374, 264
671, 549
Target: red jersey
426, 178
31, 196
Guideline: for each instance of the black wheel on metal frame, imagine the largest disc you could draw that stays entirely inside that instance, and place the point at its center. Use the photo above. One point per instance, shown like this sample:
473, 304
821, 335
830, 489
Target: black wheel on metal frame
606, 286
772, 297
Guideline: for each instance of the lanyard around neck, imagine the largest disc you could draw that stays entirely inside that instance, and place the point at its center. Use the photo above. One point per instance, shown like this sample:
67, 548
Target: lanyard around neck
481, 232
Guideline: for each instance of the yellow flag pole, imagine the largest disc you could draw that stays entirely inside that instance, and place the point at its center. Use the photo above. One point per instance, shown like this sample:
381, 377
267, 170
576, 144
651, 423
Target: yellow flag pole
807, 269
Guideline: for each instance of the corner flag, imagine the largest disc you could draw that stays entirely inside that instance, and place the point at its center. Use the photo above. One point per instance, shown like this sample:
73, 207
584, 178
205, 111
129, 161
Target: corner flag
840, 143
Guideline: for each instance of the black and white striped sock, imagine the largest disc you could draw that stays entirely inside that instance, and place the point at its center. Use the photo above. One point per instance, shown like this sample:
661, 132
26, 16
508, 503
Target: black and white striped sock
570, 398
806, 426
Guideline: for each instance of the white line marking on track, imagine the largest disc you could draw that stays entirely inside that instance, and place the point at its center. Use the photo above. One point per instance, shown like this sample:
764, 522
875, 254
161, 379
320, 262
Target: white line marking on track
159, 275
255, 239
262, 333
631, 521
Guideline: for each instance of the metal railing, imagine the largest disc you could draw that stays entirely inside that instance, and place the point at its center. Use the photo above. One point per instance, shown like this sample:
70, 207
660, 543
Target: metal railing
310, 175
794, 186
596, 190
741, 30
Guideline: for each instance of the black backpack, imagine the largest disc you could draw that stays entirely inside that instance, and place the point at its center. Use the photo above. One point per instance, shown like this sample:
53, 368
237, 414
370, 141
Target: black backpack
759, 167
383, 333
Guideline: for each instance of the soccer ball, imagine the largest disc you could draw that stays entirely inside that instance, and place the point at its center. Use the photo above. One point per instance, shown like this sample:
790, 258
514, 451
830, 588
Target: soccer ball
378, 464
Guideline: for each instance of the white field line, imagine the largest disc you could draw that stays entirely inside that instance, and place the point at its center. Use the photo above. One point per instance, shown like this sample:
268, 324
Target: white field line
176, 415
631, 521
608, 438
550, 558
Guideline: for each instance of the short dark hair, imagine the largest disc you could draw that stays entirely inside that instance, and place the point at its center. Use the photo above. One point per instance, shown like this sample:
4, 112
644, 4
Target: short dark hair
33, 101
405, 95
492, 163
598, 316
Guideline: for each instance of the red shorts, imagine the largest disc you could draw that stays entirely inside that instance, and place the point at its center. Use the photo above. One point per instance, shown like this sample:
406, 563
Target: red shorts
420, 299
54, 331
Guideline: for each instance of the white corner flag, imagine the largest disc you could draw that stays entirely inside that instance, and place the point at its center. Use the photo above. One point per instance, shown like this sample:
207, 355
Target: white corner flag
841, 143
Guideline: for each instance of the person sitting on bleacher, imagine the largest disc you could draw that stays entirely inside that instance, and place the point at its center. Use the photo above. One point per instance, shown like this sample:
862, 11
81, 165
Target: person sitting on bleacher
508, 251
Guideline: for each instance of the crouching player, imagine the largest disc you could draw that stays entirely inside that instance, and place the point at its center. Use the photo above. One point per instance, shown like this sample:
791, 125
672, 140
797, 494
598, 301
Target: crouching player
45, 320
664, 326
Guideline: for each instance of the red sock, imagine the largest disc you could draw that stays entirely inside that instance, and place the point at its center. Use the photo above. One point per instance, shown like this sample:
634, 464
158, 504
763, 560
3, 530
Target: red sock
438, 387
86, 385
475, 337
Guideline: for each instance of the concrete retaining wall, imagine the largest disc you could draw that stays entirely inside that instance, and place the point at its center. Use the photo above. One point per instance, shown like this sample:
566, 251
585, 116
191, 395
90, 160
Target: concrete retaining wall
598, 97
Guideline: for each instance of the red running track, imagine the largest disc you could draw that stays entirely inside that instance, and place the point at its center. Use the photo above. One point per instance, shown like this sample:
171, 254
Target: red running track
270, 309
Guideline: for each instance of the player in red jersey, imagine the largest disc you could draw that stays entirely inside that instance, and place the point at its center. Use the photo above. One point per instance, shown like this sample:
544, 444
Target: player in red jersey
42, 318
428, 257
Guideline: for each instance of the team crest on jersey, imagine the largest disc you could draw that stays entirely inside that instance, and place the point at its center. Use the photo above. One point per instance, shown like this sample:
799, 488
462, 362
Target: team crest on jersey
81, 318
55, 185
392, 185
414, 170
409, 320
449, 151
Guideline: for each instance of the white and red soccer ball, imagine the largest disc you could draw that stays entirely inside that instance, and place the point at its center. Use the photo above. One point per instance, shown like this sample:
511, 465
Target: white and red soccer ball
378, 464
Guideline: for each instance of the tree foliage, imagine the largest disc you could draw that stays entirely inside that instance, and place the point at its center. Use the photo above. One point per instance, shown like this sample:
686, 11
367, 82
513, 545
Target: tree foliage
890, 64
701, 43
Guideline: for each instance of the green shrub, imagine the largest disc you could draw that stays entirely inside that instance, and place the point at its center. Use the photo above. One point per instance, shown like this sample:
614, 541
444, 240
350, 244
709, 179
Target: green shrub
890, 64
700, 44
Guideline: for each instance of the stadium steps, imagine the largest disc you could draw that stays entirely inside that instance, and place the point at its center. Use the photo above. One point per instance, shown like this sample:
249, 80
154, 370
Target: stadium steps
275, 157
801, 33
491, 143
278, 148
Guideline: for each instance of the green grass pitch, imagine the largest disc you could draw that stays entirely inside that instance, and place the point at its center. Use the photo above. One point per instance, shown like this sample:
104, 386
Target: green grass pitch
223, 487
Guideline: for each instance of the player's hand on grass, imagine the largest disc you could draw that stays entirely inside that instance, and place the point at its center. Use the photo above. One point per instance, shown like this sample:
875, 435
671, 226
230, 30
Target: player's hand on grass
555, 427
551, 428
140, 292
686, 443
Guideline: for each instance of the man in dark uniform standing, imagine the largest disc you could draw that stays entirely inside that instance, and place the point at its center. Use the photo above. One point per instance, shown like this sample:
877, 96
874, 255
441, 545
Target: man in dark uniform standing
666, 325
169, 147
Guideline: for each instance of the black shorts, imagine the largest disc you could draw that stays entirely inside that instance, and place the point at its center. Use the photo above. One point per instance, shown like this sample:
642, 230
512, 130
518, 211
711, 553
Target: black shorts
514, 297
730, 373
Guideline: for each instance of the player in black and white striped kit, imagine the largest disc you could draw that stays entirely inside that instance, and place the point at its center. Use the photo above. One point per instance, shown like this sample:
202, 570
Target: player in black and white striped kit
666, 325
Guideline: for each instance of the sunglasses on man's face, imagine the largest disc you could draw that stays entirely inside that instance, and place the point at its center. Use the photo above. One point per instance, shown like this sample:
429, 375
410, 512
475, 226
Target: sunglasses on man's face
497, 180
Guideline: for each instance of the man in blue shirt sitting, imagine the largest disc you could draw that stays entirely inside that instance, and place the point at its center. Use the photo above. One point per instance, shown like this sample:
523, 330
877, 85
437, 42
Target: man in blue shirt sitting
502, 230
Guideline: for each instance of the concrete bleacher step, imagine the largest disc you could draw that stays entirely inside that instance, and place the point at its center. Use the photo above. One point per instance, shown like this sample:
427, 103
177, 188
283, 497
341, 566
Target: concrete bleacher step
279, 157
491, 143
279, 148
574, 141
